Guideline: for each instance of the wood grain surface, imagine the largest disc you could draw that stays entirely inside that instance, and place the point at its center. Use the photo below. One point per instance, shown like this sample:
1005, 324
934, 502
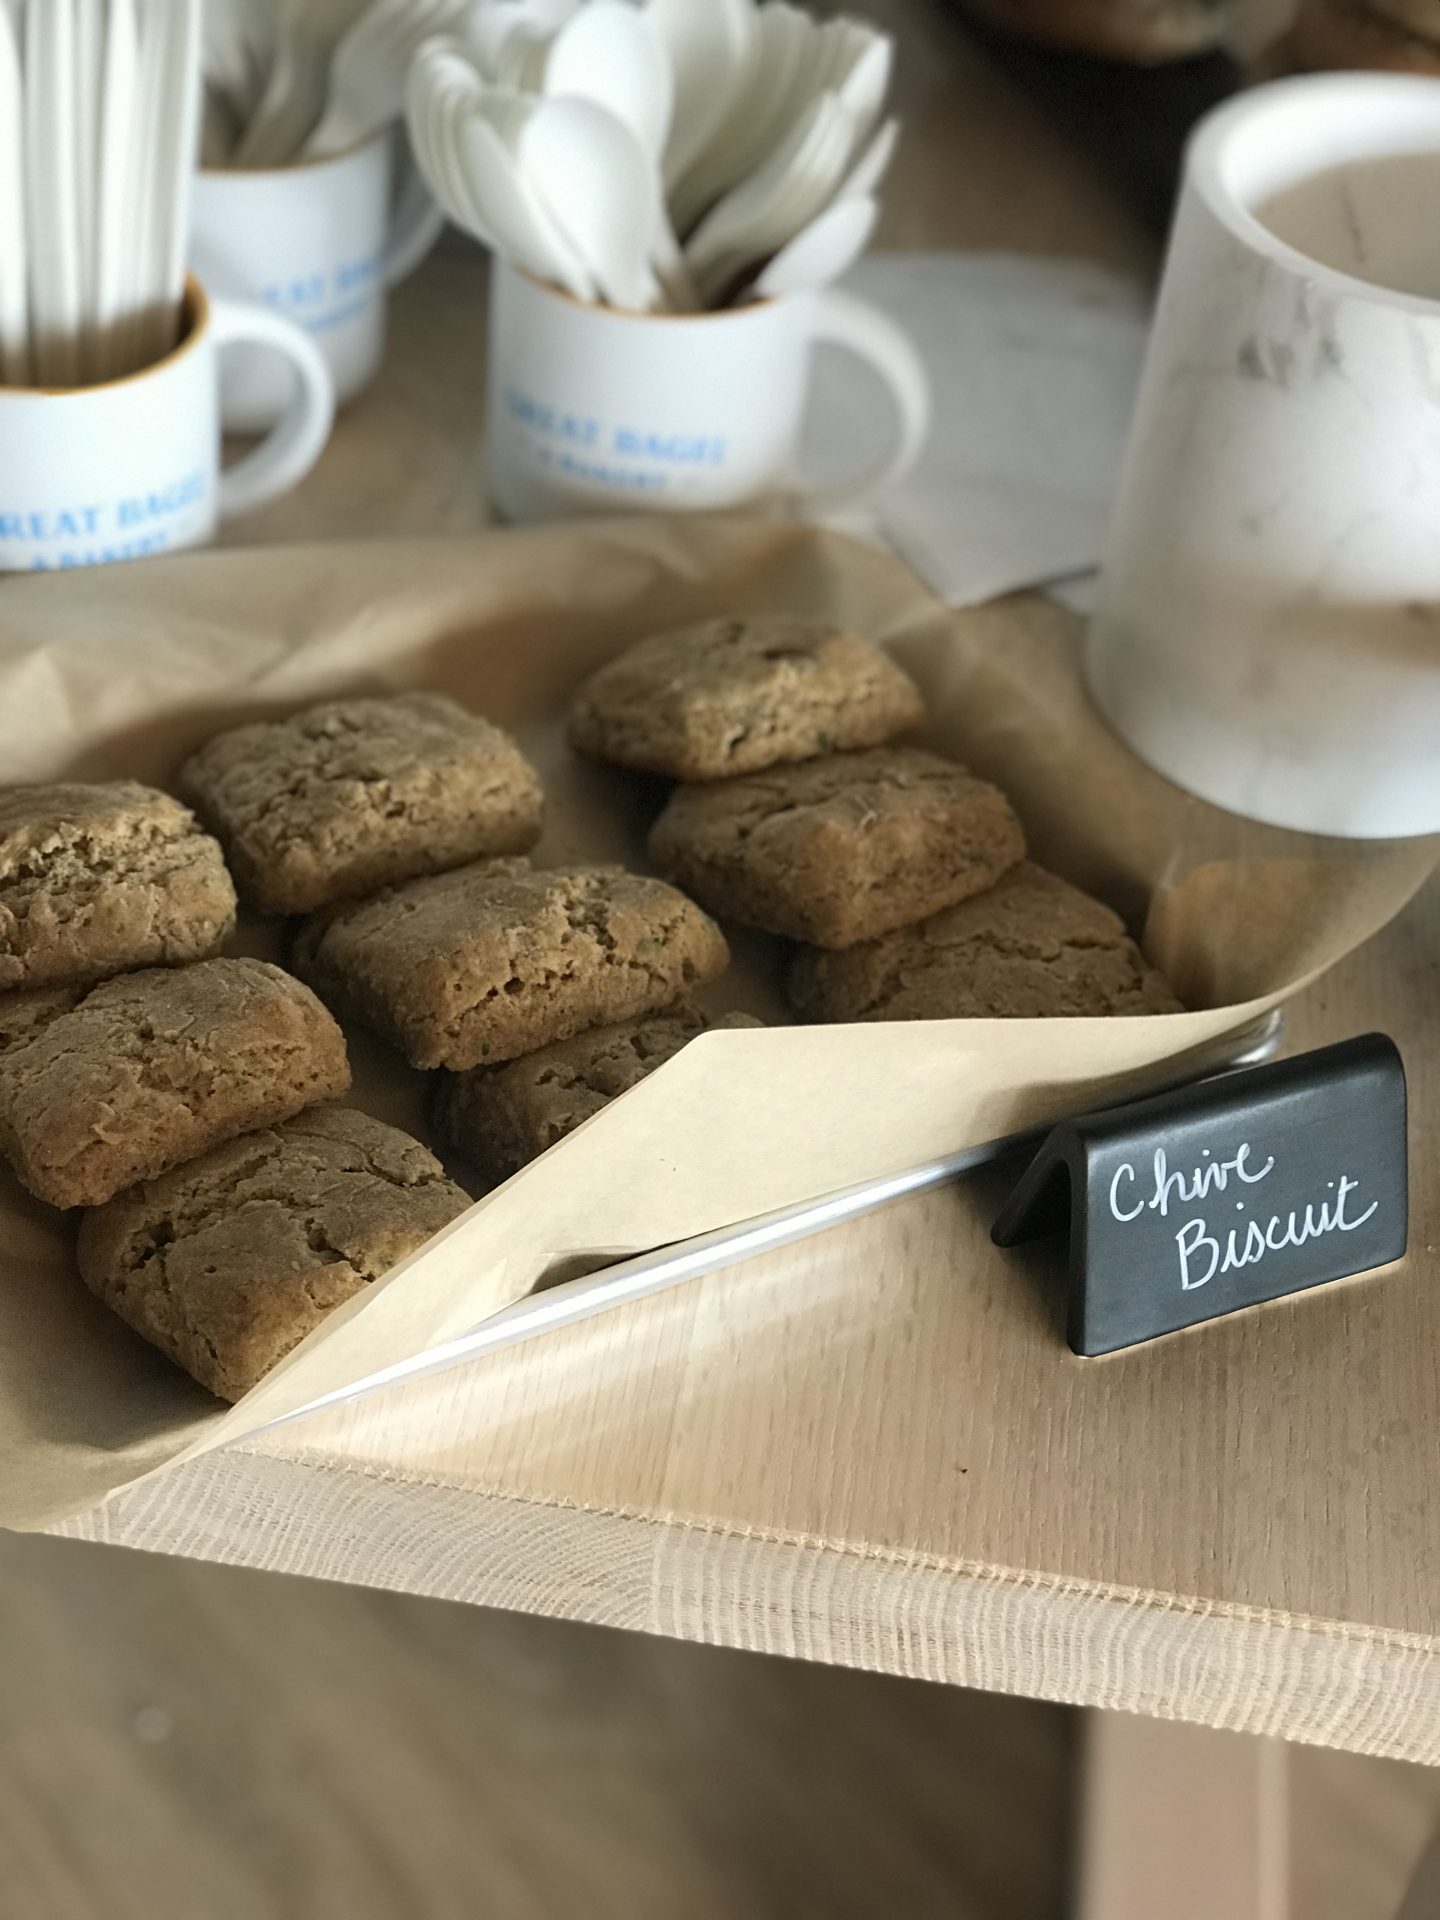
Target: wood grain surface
875, 1449
201, 1743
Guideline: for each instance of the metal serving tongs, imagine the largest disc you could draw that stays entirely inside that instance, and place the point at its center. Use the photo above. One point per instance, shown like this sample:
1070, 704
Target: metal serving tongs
562, 1305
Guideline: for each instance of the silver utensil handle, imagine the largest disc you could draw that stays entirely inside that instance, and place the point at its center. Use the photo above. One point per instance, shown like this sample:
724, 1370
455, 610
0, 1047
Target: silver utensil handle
570, 1301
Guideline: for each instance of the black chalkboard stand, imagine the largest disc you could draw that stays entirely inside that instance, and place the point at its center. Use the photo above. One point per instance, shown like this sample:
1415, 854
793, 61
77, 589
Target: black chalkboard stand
1194, 1203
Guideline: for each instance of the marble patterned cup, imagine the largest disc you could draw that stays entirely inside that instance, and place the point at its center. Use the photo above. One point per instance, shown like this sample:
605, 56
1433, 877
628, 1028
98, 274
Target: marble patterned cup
1268, 626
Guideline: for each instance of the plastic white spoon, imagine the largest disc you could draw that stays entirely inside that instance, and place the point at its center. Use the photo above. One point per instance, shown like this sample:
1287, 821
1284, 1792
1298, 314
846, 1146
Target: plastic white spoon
50, 188
313, 29
592, 177
507, 115
862, 91
707, 41
762, 106
176, 151
462, 133
488, 25
292, 103
239, 49
89, 63
824, 250
428, 81
15, 368
367, 73
521, 65
870, 169
609, 53
783, 194
117, 185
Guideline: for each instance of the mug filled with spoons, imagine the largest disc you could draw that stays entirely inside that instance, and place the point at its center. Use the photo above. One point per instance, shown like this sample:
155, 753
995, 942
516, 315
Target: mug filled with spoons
305, 197
669, 188
109, 351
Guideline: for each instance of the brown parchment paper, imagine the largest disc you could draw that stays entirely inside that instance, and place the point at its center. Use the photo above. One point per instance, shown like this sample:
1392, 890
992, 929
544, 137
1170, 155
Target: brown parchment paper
122, 672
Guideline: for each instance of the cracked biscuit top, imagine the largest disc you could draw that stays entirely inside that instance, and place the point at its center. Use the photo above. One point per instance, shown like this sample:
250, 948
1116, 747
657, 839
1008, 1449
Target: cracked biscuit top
226, 1263
1032, 946
98, 879
495, 960
840, 849
348, 797
115, 1085
738, 695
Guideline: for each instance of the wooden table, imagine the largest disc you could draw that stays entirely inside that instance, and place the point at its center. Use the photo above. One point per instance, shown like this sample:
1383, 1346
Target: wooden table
876, 1450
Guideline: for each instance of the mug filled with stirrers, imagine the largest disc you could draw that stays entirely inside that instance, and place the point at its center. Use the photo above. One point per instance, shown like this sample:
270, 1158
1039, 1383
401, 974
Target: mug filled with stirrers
109, 352
296, 200
669, 188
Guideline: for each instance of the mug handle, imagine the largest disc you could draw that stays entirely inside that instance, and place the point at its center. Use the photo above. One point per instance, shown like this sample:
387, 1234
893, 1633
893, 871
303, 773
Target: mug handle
840, 320
416, 225
295, 443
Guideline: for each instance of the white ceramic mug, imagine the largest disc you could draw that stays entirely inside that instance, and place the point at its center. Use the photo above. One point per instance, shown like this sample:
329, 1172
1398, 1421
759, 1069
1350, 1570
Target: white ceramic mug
131, 467
594, 411
321, 243
1268, 630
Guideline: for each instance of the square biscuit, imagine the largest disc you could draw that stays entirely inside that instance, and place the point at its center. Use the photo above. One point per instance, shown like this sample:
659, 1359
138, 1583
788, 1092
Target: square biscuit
840, 849
227, 1263
154, 1067
492, 961
95, 880
355, 795
501, 1118
1032, 947
22, 1015
739, 695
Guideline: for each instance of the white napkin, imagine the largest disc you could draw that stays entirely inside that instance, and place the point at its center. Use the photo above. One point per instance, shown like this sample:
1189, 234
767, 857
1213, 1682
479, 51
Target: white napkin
1033, 365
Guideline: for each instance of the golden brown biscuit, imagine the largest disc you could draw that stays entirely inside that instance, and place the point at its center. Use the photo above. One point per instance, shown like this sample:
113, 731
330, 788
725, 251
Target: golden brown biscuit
98, 879
355, 795
496, 960
840, 849
227, 1263
152, 1068
1032, 947
737, 695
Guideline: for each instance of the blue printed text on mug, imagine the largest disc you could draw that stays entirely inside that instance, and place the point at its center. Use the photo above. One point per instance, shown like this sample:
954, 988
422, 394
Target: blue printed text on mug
322, 302
94, 534
614, 452
574, 429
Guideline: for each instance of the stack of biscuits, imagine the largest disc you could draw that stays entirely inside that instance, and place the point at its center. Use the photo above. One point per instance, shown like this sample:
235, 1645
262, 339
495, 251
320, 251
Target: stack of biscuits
901, 877
396, 831
180, 1097
185, 1101
1401, 36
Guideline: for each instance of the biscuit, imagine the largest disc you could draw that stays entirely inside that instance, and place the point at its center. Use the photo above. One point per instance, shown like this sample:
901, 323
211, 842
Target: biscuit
1031, 947
500, 1118
738, 695
22, 1015
98, 879
840, 849
227, 1263
352, 796
495, 960
155, 1067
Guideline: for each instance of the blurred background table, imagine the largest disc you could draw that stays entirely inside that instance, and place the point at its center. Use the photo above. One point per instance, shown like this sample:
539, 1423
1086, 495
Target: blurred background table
874, 1449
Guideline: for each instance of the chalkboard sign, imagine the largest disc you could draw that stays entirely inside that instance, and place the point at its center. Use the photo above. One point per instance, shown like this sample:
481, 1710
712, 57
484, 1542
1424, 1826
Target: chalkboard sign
1224, 1193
